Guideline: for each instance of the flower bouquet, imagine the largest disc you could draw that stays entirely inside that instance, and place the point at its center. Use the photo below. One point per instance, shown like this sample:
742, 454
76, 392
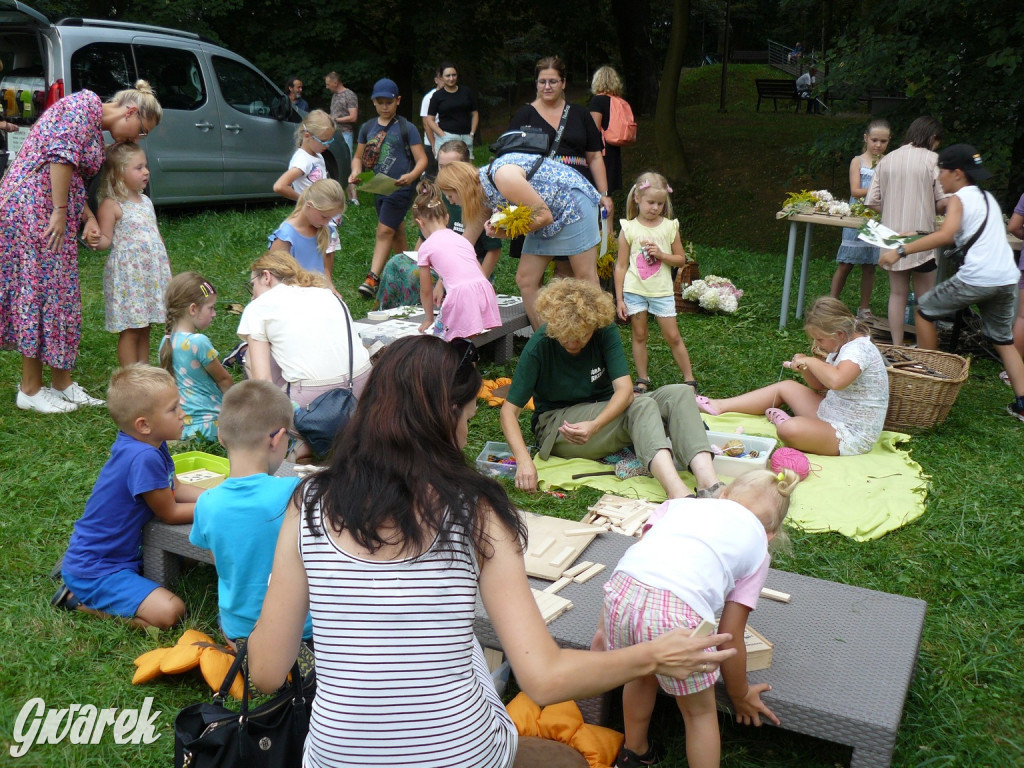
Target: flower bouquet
515, 220
714, 294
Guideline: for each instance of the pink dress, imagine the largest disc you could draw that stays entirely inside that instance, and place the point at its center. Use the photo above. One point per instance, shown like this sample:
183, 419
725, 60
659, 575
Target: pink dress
40, 302
470, 304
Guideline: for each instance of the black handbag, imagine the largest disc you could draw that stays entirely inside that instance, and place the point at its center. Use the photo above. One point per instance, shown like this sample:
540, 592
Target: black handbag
321, 420
270, 736
530, 141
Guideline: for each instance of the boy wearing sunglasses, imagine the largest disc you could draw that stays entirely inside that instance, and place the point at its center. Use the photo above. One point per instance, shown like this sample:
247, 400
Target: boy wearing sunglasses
238, 521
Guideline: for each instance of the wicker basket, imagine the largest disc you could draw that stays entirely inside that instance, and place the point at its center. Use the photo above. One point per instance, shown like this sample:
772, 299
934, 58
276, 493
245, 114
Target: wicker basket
919, 400
685, 275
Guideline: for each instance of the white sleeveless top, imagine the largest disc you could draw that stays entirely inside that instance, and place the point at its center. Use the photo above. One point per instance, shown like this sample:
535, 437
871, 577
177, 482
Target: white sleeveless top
401, 678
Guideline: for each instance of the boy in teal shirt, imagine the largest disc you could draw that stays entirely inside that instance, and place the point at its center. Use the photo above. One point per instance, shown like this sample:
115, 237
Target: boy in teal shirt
238, 520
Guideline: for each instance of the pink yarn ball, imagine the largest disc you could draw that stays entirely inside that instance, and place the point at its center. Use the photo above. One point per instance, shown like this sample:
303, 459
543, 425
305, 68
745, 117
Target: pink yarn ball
791, 458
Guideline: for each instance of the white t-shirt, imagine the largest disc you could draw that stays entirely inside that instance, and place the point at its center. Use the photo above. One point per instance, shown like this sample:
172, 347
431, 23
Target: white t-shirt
306, 331
857, 412
312, 166
990, 261
424, 111
699, 550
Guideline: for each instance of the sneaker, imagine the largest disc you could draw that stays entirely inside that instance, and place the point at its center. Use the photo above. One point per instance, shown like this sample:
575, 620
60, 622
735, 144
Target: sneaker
1015, 410
75, 394
354, 202
629, 759
1005, 378
369, 286
45, 401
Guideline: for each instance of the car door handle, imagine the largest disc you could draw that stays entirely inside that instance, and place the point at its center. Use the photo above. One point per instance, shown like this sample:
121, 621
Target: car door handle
204, 126
234, 128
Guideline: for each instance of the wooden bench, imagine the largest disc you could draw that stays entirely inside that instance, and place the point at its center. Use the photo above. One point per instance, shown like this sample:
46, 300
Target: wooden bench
775, 90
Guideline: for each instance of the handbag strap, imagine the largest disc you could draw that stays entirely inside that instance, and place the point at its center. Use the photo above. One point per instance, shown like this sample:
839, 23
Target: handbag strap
540, 160
239, 665
559, 131
351, 349
981, 228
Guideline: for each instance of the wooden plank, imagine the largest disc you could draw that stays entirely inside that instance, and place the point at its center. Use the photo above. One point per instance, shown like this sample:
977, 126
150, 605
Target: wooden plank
563, 550
582, 531
538, 548
562, 558
562, 582
577, 569
774, 594
590, 573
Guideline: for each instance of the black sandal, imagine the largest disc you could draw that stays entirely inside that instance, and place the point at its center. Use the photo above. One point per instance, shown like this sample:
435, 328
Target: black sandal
642, 387
696, 389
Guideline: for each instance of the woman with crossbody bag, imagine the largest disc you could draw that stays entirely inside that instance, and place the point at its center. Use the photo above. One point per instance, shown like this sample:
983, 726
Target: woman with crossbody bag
300, 335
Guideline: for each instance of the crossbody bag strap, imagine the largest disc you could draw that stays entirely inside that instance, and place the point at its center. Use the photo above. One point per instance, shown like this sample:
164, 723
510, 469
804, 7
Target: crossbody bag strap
351, 350
559, 131
981, 228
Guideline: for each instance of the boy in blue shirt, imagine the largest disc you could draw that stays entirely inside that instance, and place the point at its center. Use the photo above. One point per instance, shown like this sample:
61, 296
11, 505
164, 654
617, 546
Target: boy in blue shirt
103, 564
238, 520
391, 145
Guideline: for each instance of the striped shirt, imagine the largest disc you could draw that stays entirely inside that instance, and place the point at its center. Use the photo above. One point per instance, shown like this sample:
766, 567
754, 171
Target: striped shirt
401, 678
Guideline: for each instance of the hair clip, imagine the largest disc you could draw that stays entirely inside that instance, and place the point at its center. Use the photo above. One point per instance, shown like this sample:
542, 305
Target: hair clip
668, 189
206, 289
643, 185
781, 477
433, 204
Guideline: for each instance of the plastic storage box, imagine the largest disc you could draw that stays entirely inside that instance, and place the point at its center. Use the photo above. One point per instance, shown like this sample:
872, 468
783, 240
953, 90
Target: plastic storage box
493, 468
735, 466
206, 470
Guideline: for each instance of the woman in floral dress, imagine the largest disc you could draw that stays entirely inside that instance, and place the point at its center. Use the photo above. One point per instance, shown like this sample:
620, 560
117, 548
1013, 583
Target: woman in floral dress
44, 200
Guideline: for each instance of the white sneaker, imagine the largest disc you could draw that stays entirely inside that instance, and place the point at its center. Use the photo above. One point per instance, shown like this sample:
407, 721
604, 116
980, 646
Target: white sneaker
44, 401
75, 394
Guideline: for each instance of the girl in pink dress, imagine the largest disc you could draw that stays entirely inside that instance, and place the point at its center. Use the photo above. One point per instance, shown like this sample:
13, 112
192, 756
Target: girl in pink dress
470, 305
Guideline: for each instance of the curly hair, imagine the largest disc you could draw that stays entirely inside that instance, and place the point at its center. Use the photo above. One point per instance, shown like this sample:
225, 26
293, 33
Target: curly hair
285, 268
574, 308
606, 80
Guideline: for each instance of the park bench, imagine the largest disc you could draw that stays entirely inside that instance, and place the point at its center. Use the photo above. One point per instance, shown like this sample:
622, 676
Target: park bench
775, 90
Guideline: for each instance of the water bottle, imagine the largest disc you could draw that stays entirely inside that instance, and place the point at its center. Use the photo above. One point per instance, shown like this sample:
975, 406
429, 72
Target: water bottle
908, 318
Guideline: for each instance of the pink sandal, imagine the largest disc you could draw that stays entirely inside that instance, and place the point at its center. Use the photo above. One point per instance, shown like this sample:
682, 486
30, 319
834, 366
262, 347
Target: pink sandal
705, 405
776, 416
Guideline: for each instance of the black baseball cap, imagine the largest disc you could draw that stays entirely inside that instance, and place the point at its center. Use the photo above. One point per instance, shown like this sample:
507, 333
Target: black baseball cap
966, 158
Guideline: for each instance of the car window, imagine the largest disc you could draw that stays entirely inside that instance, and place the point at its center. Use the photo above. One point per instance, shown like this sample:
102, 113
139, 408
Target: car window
245, 89
175, 75
103, 68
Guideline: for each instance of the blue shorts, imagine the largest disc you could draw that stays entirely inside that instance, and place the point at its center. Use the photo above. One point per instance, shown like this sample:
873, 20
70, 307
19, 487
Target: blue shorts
659, 306
572, 239
391, 209
118, 594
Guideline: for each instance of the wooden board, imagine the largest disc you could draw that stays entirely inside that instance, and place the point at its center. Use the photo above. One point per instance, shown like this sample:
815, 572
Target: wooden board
619, 514
550, 551
759, 649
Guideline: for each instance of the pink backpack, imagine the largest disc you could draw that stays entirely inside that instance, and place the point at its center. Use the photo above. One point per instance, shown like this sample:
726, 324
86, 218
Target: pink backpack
621, 130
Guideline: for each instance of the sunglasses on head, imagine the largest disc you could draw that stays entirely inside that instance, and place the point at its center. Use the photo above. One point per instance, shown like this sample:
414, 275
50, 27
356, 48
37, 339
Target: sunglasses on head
468, 353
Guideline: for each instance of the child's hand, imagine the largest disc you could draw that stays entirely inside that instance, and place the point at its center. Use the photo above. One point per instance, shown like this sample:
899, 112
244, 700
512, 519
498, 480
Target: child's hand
405, 179
353, 178
888, 258
652, 252
621, 309
426, 324
750, 708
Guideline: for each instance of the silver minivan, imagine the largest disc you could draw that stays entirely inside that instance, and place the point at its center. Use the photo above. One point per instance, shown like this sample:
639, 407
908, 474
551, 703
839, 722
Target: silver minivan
227, 132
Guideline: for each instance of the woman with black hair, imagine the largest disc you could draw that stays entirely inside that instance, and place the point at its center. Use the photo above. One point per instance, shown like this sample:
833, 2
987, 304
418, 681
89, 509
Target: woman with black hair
388, 547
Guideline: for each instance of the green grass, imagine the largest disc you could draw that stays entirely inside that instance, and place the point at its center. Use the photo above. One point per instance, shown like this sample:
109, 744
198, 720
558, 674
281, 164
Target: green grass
964, 556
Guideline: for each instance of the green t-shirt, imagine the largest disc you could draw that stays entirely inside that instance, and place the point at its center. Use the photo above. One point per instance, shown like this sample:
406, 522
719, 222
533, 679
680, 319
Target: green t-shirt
555, 379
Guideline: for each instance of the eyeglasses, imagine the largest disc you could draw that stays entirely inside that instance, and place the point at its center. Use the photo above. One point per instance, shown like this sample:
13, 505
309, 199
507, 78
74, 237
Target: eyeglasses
468, 351
293, 437
546, 83
143, 133
319, 140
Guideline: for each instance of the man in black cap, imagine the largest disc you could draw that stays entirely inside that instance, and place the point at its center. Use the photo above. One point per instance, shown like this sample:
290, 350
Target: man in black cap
989, 276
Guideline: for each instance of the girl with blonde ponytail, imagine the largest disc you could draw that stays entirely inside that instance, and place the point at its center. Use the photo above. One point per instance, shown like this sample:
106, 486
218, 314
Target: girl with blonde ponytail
310, 232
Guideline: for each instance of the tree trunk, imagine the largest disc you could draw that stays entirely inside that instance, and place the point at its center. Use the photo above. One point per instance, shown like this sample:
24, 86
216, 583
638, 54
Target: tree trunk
666, 134
639, 69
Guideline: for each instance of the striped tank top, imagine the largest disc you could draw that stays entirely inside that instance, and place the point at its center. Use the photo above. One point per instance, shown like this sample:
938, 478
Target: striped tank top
401, 678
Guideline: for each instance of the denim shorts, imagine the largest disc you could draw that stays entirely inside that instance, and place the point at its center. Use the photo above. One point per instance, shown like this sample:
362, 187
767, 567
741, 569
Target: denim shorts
571, 239
997, 306
659, 306
391, 209
118, 594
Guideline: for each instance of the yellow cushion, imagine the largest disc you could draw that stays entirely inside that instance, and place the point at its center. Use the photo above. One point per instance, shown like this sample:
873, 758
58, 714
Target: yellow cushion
525, 714
598, 744
149, 665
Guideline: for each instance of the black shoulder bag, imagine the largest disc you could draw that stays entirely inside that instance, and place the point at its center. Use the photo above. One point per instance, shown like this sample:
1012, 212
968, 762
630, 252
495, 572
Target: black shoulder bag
270, 736
530, 141
956, 256
325, 417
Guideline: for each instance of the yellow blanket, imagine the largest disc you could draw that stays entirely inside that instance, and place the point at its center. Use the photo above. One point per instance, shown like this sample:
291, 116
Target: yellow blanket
863, 497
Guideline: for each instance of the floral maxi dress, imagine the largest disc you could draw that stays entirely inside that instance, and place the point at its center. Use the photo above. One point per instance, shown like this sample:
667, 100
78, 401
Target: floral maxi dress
137, 272
40, 300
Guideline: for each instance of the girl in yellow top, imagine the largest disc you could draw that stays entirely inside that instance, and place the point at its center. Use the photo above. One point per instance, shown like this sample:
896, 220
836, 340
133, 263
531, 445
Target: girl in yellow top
649, 245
